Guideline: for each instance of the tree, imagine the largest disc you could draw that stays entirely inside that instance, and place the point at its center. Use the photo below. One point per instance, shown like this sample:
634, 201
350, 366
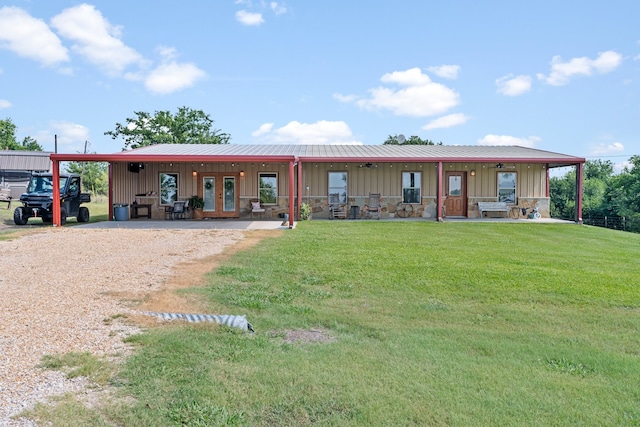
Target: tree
187, 126
413, 140
8, 138
94, 176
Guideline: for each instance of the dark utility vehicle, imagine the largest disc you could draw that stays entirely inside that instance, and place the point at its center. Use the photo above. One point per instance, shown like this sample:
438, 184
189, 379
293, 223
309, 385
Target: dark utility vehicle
38, 200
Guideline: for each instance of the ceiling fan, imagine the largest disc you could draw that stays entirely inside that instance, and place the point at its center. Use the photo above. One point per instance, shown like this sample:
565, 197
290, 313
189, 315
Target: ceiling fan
503, 166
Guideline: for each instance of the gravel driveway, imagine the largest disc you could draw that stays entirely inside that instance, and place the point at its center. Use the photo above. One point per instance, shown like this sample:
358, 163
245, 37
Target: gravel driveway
57, 287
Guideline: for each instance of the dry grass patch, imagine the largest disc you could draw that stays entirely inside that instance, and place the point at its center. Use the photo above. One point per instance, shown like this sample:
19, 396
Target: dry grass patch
191, 274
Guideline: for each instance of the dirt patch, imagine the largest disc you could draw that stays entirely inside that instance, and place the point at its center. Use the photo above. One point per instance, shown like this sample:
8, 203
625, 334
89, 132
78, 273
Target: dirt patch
191, 274
306, 336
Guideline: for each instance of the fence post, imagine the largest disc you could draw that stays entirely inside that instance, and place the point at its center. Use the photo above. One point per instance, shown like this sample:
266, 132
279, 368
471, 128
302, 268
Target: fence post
605, 222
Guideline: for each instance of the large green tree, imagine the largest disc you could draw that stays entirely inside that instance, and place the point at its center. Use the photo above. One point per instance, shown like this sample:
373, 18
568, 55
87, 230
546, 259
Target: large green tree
94, 176
604, 193
8, 138
413, 140
186, 126
598, 176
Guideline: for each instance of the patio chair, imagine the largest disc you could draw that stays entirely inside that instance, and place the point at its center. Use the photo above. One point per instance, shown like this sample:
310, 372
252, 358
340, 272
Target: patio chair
256, 207
374, 205
336, 209
177, 210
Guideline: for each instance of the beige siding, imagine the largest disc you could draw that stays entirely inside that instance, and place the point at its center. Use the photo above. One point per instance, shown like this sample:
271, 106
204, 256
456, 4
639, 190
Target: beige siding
384, 178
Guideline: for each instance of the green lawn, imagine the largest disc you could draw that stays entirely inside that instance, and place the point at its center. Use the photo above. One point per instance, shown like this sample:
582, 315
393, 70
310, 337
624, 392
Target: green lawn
433, 324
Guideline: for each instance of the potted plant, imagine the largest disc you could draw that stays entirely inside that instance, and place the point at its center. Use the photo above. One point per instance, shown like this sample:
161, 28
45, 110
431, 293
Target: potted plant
305, 211
196, 203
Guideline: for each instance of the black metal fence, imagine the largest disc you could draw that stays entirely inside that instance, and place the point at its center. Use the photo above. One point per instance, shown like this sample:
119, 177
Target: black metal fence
613, 222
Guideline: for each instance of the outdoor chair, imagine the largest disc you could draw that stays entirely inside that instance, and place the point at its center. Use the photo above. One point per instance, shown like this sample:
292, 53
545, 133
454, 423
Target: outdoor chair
176, 211
374, 205
256, 207
336, 209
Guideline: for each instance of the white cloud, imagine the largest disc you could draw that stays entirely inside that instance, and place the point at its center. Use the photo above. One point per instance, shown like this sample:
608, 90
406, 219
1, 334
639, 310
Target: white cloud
445, 71
4, 103
511, 85
30, 37
420, 97
277, 8
172, 77
509, 140
249, 18
447, 121
561, 72
601, 149
71, 136
345, 98
262, 130
322, 132
622, 166
96, 39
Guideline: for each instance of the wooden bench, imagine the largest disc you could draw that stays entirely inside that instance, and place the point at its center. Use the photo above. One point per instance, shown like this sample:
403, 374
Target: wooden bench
493, 207
5, 196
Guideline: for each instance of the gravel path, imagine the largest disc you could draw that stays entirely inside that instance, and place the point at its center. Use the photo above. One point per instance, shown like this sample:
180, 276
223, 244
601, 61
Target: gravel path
58, 286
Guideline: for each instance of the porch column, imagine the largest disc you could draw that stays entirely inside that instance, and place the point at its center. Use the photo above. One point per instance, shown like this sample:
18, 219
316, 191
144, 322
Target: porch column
439, 193
299, 191
547, 185
55, 169
579, 173
291, 193
110, 190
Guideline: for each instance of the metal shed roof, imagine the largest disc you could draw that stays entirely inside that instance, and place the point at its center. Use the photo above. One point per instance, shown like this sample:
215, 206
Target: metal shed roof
11, 160
326, 153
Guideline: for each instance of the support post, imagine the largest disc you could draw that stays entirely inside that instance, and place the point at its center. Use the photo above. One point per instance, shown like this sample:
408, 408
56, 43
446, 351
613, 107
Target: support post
439, 193
299, 191
55, 169
579, 173
291, 193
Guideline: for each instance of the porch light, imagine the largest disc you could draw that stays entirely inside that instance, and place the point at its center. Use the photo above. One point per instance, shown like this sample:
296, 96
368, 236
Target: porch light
194, 173
241, 173
473, 172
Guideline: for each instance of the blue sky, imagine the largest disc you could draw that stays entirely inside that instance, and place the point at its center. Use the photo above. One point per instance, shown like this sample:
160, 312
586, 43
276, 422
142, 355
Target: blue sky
559, 75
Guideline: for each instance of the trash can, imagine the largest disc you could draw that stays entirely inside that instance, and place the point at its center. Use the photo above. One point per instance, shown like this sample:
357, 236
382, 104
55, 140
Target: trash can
120, 212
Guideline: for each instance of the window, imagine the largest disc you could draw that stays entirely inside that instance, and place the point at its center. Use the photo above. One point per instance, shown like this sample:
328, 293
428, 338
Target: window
268, 188
338, 185
507, 187
411, 192
168, 188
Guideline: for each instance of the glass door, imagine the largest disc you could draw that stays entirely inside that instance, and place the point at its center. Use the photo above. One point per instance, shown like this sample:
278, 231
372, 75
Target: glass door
229, 201
209, 193
220, 194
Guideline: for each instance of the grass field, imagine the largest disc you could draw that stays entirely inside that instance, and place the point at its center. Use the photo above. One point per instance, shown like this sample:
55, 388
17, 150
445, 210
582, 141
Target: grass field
426, 324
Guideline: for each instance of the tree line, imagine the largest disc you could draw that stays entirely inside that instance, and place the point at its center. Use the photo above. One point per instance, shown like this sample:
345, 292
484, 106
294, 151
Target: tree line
605, 193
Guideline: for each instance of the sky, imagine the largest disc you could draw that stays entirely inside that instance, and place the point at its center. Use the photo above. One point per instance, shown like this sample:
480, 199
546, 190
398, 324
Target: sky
561, 75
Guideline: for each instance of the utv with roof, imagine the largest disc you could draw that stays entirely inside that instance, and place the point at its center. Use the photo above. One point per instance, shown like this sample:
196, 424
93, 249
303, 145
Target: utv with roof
37, 202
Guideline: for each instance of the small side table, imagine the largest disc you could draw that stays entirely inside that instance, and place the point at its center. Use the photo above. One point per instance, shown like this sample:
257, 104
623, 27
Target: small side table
135, 209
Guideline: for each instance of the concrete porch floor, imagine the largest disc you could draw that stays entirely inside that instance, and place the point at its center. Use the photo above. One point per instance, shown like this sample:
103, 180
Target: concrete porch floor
274, 224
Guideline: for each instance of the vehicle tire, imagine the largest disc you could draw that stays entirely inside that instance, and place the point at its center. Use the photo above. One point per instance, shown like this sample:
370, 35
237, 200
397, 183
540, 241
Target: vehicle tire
47, 219
20, 216
83, 214
63, 216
